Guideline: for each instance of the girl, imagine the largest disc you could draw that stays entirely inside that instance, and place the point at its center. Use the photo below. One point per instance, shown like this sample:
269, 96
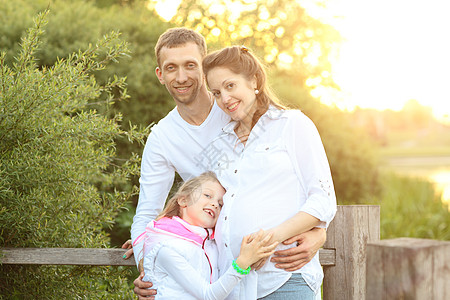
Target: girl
275, 171
180, 254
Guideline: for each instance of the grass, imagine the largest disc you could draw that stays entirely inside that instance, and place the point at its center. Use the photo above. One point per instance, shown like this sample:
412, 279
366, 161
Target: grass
410, 207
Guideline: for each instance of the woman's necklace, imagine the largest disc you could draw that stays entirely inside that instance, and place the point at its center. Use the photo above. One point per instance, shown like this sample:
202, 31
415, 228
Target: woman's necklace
242, 135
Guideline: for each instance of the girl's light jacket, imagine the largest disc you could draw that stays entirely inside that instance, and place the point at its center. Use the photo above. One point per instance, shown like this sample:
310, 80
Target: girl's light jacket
181, 261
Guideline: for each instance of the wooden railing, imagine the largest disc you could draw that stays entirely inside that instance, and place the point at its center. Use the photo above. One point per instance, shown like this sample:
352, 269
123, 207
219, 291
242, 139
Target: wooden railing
343, 255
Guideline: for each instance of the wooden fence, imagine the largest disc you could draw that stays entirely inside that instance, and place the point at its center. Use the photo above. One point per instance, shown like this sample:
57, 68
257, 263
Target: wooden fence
343, 257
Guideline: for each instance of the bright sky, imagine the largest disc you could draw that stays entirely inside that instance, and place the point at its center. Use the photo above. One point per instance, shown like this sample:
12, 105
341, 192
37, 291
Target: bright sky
394, 51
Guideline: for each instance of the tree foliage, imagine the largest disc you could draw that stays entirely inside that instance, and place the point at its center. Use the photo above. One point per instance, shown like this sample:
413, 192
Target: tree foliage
60, 180
281, 32
73, 25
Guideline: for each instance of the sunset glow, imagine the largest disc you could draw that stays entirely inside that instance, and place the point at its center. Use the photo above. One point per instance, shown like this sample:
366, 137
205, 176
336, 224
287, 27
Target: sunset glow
393, 51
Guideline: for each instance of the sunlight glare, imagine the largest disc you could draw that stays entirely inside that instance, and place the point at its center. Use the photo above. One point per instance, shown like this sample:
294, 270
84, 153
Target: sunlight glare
393, 51
167, 9
442, 180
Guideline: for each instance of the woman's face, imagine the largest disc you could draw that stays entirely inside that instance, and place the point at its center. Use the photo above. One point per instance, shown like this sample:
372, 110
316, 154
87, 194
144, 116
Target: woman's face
234, 93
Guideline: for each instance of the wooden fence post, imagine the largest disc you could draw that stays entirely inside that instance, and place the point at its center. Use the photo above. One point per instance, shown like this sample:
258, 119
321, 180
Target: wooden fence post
408, 268
352, 228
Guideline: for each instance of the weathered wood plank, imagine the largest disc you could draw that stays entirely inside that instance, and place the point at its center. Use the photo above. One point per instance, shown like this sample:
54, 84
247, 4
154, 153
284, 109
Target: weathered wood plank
327, 257
65, 256
351, 229
408, 268
93, 257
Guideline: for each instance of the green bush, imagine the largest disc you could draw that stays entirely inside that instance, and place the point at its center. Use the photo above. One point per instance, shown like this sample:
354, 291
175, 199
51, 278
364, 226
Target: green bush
410, 207
74, 25
60, 179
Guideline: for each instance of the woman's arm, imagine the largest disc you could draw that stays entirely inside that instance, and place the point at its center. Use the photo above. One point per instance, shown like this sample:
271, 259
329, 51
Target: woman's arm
299, 223
310, 162
305, 148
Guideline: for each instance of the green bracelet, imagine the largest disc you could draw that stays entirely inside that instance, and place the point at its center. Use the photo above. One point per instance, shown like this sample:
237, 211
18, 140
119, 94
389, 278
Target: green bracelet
239, 269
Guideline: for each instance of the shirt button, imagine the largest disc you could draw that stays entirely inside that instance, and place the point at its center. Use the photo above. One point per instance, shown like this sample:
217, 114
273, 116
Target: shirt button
235, 171
226, 245
226, 218
232, 195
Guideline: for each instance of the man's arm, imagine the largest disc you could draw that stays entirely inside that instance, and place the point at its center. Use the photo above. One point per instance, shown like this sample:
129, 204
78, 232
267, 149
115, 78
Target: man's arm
157, 177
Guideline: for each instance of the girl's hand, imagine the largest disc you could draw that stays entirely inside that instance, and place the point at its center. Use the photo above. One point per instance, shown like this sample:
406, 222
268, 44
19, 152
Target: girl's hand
254, 248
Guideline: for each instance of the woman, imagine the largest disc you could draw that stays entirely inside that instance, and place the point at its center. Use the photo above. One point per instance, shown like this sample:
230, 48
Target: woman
275, 171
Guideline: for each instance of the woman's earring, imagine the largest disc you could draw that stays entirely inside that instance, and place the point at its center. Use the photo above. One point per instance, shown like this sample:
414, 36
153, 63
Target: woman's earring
256, 92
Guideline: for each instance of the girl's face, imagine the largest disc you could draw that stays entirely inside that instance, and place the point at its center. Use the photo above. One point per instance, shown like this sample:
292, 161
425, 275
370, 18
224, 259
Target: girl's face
204, 210
235, 94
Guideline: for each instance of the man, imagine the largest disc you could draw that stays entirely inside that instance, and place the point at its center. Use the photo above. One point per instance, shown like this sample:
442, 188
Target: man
178, 142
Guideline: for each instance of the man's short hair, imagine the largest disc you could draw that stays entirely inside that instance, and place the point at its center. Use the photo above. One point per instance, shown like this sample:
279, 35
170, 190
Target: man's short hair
176, 37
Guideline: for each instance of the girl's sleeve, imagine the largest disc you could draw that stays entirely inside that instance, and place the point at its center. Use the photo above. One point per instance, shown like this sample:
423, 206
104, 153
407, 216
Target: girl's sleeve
178, 268
307, 153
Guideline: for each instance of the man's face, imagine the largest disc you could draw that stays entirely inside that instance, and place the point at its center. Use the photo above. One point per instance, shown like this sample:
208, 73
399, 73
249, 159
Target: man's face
181, 72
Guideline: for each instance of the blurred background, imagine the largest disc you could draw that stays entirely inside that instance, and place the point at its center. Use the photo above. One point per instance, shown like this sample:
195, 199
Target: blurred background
372, 75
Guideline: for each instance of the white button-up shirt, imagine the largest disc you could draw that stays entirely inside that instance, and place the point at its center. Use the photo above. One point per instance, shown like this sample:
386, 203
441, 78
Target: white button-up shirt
283, 169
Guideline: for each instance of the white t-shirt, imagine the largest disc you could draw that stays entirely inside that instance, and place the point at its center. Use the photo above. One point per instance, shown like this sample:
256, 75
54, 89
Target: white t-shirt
283, 169
172, 146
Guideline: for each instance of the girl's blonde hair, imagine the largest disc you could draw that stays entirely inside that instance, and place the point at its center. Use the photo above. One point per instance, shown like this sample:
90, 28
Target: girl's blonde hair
189, 190
239, 60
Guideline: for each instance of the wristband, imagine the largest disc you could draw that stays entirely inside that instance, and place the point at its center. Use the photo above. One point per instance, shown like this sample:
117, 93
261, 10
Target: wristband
239, 269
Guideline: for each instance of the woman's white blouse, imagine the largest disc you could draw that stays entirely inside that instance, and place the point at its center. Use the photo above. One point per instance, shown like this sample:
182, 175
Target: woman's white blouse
283, 169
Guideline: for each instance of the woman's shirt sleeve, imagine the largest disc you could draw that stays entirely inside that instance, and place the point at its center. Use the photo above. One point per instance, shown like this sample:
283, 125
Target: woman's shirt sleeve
179, 269
307, 153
